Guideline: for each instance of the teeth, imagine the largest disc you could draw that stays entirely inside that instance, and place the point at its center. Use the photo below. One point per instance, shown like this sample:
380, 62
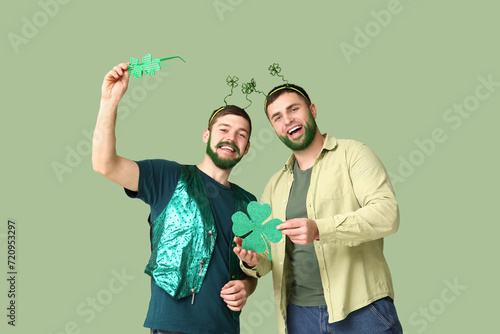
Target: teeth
229, 148
293, 129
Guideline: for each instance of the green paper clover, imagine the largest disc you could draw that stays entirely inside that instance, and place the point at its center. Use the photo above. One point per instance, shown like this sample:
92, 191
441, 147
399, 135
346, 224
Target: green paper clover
256, 234
148, 66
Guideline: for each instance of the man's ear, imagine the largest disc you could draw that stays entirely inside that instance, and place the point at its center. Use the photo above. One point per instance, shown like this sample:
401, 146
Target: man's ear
205, 136
312, 108
247, 148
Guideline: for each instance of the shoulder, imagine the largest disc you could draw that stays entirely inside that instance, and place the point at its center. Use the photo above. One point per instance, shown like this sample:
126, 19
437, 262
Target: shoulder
349, 149
349, 144
246, 194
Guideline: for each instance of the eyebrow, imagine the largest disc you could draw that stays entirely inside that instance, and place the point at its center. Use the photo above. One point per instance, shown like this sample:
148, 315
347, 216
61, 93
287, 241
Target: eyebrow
228, 125
287, 108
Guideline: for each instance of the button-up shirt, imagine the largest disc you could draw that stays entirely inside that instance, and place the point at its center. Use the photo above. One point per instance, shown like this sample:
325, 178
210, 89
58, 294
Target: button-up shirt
353, 204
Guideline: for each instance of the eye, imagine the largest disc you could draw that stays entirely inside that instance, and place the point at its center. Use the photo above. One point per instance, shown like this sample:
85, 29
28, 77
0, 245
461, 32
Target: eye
223, 130
242, 135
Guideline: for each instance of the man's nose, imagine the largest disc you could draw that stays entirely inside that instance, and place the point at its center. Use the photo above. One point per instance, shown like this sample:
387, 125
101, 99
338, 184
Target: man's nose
231, 137
288, 119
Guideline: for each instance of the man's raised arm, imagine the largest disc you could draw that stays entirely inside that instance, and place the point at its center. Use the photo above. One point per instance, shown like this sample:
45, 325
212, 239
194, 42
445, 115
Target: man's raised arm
105, 161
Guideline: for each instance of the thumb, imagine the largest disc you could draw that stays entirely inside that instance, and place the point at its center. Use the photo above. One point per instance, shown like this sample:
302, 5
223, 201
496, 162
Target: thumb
238, 241
228, 285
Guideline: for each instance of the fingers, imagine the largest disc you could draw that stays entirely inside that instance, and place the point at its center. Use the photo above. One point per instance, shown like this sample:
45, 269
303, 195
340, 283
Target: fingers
238, 241
250, 258
231, 287
291, 224
234, 295
118, 71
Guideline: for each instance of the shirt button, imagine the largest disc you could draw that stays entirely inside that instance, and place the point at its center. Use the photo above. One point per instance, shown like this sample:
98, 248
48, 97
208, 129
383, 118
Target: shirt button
281, 263
233, 277
284, 201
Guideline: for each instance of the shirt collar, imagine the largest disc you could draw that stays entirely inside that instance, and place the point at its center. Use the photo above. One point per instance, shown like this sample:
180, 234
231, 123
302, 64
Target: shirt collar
329, 144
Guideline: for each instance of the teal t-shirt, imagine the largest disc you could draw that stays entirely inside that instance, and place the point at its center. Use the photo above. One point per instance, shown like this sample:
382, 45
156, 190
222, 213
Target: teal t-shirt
209, 313
306, 288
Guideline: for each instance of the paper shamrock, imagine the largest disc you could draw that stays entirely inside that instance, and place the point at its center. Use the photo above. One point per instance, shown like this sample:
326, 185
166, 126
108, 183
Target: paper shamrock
148, 66
256, 235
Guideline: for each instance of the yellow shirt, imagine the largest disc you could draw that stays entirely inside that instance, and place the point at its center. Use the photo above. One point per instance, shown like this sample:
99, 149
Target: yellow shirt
353, 203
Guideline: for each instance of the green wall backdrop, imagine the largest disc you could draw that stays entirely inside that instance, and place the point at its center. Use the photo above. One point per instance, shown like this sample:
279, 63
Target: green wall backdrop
417, 81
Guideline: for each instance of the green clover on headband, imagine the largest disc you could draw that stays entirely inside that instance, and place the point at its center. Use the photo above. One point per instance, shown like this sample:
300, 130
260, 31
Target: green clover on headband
148, 66
274, 69
249, 88
233, 83
256, 235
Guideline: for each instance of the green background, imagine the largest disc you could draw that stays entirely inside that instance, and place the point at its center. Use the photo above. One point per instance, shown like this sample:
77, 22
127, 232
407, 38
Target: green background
76, 229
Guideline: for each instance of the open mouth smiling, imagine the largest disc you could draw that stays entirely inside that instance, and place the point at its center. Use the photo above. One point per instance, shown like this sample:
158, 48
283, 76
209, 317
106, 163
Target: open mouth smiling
294, 130
227, 148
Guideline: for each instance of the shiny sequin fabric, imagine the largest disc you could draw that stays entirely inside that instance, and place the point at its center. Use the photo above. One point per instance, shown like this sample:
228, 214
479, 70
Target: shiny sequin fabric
184, 237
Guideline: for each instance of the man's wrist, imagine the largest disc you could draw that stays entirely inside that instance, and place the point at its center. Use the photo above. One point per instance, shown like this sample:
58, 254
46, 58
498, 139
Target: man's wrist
109, 103
246, 265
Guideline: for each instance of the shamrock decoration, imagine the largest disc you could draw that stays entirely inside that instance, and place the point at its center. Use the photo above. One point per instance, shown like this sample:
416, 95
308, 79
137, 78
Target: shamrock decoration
274, 69
233, 83
148, 66
256, 235
248, 88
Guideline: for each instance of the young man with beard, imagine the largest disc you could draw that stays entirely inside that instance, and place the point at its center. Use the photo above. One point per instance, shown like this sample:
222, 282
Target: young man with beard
195, 277
337, 204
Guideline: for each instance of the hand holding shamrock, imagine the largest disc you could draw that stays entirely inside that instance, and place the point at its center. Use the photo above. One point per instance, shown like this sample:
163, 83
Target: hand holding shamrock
249, 258
301, 231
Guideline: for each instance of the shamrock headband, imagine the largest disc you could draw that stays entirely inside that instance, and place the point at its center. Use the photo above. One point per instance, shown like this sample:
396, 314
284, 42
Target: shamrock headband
275, 70
246, 88
215, 113
287, 86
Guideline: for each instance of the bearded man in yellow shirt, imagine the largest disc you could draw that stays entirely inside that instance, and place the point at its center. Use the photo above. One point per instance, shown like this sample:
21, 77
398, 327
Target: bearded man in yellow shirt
337, 204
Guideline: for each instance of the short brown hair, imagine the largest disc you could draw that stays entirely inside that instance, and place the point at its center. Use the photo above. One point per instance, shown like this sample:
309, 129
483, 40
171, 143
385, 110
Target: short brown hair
286, 88
229, 110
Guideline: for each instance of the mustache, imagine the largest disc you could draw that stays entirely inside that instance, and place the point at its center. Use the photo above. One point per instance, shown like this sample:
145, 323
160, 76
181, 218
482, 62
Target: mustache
233, 145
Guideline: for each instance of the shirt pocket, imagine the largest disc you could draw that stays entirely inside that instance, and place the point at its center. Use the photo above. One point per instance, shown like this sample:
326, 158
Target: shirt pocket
333, 184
